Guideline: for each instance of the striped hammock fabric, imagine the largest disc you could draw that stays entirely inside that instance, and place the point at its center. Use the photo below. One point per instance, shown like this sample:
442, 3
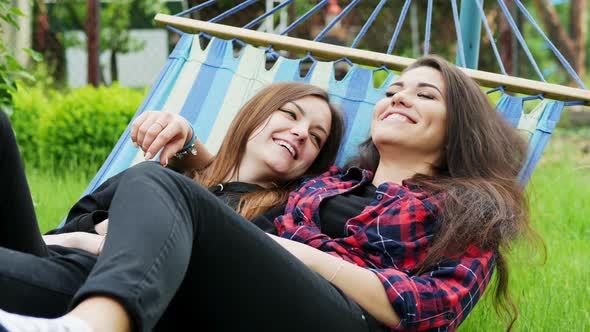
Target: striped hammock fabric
208, 86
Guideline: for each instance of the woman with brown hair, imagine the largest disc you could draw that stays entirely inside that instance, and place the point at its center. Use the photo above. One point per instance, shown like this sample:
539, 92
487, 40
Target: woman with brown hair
274, 140
406, 238
246, 173
155, 131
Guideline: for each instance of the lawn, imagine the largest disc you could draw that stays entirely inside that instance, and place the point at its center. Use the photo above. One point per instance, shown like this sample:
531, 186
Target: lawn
552, 295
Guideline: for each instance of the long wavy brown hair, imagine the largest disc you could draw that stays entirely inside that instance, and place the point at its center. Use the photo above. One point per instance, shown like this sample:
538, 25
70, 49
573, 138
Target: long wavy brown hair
484, 204
253, 114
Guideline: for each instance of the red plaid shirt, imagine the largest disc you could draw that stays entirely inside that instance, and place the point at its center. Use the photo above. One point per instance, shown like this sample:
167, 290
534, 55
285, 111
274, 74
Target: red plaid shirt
391, 237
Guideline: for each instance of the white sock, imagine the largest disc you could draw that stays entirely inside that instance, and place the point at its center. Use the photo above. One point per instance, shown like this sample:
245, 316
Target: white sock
19, 323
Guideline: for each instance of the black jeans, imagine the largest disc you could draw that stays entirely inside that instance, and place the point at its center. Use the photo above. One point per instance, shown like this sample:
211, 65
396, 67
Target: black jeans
169, 236
176, 253
34, 279
18, 229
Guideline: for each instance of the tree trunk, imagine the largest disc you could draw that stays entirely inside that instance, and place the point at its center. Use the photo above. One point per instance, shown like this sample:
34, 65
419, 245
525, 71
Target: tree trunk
506, 42
292, 12
93, 41
48, 44
114, 67
557, 34
578, 32
194, 15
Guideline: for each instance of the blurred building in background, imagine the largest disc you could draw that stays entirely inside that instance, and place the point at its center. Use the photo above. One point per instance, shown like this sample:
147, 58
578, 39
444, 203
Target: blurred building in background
136, 69
17, 39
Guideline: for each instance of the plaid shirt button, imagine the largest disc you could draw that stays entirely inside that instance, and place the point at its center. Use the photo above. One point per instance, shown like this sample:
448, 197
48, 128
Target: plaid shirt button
379, 197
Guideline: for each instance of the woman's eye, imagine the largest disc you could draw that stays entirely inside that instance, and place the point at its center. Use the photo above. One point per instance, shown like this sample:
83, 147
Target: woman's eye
317, 139
425, 95
289, 113
389, 94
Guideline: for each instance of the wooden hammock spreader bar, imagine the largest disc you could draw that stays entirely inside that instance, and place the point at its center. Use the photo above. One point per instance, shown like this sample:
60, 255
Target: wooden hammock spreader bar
369, 58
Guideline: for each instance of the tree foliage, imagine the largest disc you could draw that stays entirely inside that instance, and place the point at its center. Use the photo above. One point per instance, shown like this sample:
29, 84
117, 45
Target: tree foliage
10, 69
572, 35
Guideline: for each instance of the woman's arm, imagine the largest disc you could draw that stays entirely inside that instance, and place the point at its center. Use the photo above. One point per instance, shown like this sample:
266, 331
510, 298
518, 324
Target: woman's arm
85, 239
360, 284
440, 297
153, 131
92, 243
443, 295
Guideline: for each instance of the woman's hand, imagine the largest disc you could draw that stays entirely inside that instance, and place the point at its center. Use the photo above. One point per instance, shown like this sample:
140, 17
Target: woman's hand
360, 284
153, 131
102, 227
92, 243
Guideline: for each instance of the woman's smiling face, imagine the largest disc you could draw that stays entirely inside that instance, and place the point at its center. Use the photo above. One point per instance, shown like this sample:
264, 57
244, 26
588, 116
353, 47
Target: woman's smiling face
412, 115
288, 143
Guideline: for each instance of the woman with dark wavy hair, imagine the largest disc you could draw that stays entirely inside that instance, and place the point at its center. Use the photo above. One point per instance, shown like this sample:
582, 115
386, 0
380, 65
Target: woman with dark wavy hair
407, 237
483, 205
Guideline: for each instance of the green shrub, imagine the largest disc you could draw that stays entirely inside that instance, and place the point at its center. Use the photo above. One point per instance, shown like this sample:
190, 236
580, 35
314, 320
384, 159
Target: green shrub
81, 128
29, 104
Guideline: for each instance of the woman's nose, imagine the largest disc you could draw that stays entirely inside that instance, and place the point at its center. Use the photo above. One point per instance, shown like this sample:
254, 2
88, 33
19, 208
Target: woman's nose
400, 97
301, 132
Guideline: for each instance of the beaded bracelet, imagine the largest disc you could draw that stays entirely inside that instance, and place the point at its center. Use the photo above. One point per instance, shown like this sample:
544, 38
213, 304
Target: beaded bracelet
189, 147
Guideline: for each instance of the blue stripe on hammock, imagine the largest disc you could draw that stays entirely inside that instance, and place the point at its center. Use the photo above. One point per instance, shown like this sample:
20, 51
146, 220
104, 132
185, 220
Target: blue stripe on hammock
288, 70
511, 108
540, 138
209, 88
348, 93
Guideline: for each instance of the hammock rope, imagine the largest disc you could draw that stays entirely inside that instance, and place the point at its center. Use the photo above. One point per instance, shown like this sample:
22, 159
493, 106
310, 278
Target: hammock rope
520, 39
267, 14
335, 21
461, 51
491, 37
398, 26
427, 28
197, 8
558, 54
304, 17
368, 24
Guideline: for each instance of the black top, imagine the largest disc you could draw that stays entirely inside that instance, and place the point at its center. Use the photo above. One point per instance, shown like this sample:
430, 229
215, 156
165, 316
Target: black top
334, 212
98, 202
230, 192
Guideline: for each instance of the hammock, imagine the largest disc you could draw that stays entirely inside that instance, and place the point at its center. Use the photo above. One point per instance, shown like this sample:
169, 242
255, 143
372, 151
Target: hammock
207, 84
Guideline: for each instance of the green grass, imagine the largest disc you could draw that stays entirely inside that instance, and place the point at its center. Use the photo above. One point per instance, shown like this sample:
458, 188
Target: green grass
54, 195
551, 296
